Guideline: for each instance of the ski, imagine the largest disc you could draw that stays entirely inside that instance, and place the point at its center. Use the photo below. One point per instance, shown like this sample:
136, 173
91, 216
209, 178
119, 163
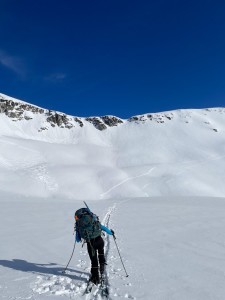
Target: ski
88, 287
103, 287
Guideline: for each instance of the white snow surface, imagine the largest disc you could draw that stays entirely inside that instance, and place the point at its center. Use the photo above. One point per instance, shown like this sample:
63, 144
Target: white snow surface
172, 248
159, 185
183, 156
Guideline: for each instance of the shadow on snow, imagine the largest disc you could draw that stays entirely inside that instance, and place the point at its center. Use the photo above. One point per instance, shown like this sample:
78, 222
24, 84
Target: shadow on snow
50, 269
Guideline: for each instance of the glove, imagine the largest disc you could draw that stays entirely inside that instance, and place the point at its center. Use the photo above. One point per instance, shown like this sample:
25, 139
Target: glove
113, 233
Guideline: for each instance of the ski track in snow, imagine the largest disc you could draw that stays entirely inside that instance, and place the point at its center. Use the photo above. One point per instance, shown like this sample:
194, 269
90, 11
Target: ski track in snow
67, 286
124, 181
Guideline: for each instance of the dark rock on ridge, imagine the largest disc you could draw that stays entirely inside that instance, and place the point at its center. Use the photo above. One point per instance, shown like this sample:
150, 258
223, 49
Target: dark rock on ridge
19, 111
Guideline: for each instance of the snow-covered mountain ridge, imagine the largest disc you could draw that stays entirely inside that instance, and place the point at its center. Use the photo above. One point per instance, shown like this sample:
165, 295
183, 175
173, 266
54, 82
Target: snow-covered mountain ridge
47, 153
17, 110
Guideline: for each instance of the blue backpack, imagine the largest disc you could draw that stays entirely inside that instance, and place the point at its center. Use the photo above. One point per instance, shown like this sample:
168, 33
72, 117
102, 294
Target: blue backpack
87, 224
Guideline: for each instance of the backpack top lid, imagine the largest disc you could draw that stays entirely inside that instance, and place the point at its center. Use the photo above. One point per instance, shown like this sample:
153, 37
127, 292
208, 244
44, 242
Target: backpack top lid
80, 212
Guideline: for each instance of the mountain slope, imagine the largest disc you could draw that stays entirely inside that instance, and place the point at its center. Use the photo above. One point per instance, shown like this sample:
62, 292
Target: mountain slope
170, 153
172, 246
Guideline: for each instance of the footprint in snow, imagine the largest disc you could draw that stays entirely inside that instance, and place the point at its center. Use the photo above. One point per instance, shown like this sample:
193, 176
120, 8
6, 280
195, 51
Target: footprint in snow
57, 285
129, 296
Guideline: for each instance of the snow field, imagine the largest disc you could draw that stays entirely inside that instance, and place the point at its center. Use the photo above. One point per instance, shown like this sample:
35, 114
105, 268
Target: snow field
43, 244
158, 184
172, 248
181, 156
135, 160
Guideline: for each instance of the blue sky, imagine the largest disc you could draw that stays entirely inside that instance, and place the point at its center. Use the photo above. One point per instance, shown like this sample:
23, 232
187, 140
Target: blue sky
114, 57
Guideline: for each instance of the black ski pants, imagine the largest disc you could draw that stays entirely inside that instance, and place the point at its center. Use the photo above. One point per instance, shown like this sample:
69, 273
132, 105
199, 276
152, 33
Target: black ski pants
96, 253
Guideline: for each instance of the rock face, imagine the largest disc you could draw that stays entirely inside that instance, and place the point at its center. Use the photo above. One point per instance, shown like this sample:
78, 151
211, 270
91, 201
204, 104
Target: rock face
101, 123
157, 117
60, 120
17, 111
111, 121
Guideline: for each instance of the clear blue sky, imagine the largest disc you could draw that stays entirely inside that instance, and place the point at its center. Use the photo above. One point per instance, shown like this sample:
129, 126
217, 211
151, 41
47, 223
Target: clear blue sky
119, 57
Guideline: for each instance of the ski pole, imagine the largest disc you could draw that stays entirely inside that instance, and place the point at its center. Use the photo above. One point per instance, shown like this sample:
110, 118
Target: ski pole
64, 271
119, 254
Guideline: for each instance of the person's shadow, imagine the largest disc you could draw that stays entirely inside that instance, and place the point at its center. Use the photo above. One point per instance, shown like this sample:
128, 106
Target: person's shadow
40, 269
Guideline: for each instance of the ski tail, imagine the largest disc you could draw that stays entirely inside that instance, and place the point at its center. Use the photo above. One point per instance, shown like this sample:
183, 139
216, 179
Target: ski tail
87, 207
104, 290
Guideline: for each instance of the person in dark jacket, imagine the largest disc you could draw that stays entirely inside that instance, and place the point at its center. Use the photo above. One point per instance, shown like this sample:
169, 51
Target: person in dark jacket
95, 249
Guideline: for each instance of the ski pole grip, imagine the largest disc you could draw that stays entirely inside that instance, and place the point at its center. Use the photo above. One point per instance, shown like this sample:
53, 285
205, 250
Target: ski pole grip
113, 233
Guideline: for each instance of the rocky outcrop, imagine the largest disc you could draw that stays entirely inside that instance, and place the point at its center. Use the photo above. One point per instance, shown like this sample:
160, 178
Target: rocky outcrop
60, 120
101, 123
18, 111
158, 118
98, 124
81, 124
111, 121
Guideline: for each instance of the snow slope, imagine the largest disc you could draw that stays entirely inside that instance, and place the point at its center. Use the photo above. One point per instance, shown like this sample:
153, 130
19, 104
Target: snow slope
171, 153
156, 179
173, 248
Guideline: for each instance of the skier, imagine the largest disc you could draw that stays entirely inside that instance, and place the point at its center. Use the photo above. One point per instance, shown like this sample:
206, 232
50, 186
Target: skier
89, 228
